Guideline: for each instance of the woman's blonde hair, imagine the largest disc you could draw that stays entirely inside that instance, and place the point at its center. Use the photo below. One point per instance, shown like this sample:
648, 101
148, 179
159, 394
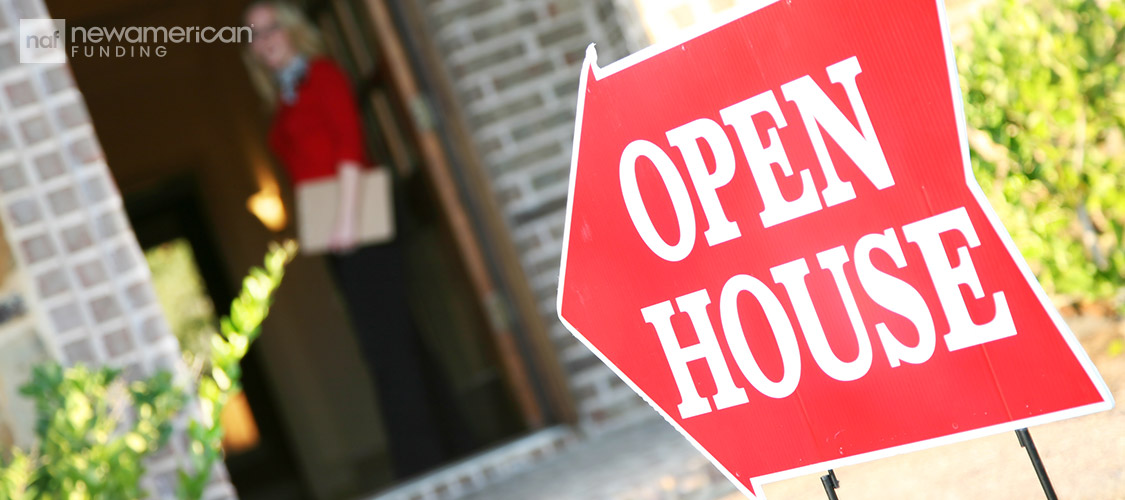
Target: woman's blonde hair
302, 34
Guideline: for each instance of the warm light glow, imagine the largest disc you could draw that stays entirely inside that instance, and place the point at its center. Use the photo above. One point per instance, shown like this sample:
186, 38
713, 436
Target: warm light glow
240, 432
267, 206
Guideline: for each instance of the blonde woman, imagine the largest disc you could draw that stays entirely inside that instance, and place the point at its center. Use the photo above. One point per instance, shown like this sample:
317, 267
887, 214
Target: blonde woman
317, 133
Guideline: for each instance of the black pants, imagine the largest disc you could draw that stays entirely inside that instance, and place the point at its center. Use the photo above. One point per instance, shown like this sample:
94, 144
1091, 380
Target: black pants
412, 396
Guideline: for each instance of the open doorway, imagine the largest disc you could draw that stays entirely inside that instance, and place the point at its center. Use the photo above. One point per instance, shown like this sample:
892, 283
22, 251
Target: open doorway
184, 137
189, 277
455, 295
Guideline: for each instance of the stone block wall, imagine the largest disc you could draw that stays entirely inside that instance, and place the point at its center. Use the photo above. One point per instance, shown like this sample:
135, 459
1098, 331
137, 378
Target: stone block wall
75, 264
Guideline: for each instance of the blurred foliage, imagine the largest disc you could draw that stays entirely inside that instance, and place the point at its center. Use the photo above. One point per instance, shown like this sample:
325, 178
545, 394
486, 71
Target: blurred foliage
1045, 104
221, 381
93, 430
185, 301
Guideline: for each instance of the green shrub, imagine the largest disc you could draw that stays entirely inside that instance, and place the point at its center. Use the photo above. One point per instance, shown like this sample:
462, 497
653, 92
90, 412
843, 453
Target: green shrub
1045, 105
93, 430
88, 444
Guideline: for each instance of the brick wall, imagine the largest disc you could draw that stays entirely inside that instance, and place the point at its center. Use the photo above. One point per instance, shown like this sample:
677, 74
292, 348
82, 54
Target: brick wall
515, 66
76, 263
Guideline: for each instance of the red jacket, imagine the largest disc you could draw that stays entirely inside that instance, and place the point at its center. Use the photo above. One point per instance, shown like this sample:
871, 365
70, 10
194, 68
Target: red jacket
321, 128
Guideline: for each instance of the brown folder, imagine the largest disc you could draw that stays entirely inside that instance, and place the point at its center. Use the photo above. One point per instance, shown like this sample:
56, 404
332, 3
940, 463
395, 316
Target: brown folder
318, 201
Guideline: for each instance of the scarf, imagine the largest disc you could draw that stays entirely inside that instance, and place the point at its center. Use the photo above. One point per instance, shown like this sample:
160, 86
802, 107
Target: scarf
289, 77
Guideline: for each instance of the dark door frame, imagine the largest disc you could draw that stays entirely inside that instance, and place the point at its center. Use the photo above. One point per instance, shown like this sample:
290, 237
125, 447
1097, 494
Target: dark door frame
520, 306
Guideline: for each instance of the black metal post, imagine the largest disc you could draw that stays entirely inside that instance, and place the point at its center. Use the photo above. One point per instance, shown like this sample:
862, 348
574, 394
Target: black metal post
830, 484
1044, 481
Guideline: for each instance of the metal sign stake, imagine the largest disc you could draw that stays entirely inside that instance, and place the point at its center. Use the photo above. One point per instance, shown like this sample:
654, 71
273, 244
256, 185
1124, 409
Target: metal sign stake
1044, 481
830, 484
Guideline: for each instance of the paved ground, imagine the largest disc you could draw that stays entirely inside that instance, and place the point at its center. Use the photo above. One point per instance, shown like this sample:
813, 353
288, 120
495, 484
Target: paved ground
649, 461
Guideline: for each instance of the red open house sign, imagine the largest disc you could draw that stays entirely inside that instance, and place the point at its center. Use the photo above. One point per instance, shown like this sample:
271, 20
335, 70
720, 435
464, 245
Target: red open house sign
774, 236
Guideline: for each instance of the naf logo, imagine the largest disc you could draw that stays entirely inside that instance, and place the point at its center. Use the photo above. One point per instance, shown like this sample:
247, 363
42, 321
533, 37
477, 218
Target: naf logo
41, 40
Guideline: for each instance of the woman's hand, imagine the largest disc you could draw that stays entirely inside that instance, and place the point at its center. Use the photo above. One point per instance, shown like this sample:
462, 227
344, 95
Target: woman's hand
344, 238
